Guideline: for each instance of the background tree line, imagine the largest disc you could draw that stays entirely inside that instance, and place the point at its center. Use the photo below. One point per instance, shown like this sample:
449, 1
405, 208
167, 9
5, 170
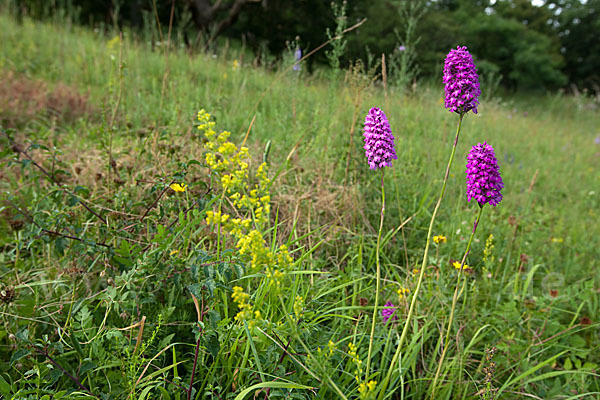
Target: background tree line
521, 45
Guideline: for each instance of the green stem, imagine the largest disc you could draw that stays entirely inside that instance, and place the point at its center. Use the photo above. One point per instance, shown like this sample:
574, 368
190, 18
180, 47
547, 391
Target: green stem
378, 277
219, 226
454, 300
423, 265
332, 384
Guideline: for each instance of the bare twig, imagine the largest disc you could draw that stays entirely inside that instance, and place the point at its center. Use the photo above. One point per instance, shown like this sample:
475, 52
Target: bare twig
57, 365
26, 214
151, 206
353, 27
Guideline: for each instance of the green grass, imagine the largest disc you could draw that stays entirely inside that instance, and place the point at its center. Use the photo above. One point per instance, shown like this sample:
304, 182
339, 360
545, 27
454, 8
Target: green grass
79, 305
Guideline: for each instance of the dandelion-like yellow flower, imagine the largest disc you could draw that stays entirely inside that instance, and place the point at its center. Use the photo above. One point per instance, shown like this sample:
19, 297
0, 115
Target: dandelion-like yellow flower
173, 252
178, 187
439, 239
236, 65
456, 264
557, 240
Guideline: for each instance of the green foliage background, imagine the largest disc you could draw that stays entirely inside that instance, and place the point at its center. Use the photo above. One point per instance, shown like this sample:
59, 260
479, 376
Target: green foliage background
530, 47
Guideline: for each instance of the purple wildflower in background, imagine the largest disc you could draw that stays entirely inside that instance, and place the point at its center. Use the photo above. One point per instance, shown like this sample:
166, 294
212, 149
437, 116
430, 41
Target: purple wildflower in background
484, 182
461, 81
298, 56
388, 311
379, 141
597, 141
402, 48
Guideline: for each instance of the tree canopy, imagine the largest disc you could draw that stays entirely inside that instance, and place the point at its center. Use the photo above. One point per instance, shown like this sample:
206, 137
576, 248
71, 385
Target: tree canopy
527, 45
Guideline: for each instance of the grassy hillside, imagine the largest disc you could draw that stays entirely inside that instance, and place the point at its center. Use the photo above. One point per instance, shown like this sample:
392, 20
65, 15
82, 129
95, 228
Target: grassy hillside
114, 285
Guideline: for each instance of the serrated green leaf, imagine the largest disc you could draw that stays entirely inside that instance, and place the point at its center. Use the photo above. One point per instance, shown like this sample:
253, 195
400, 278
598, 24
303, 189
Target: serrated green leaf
17, 355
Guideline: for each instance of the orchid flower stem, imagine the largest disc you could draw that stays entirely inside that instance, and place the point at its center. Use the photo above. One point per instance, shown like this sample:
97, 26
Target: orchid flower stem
407, 324
378, 279
454, 300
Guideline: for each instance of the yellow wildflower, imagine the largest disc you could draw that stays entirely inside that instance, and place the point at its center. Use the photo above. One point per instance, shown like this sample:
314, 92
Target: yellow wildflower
178, 187
402, 292
173, 252
456, 264
298, 306
362, 389
557, 240
239, 296
331, 346
439, 239
489, 246
114, 42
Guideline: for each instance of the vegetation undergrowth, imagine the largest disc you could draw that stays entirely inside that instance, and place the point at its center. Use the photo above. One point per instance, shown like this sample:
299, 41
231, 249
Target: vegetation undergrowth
151, 251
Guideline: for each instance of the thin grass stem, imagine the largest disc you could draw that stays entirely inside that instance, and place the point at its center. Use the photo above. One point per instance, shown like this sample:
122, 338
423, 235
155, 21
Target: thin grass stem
423, 265
453, 308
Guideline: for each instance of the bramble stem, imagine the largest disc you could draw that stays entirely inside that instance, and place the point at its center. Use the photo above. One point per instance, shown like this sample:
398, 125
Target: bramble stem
423, 265
454, 300
378, 277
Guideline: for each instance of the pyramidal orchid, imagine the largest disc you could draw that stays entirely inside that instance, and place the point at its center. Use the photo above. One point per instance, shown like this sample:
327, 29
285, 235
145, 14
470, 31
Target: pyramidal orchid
461, 81
379, 141
380, 151
484, 182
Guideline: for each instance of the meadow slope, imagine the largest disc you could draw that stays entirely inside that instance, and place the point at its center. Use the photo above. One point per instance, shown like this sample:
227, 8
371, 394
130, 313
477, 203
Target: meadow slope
107, 302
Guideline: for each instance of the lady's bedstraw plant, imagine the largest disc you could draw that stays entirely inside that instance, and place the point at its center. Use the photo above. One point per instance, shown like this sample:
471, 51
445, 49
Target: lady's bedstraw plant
461, 91
484, 184
380, 151
249, 202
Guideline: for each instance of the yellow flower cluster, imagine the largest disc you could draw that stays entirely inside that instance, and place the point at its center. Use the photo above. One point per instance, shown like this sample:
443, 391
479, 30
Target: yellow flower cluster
299, 307
355, 358
489, 246
246, 312
402, 292
250, 199
331, 348
439, 239
364, 389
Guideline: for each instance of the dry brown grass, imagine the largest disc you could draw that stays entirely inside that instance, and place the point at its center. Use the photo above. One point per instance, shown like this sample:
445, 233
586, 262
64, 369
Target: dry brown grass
23, 99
